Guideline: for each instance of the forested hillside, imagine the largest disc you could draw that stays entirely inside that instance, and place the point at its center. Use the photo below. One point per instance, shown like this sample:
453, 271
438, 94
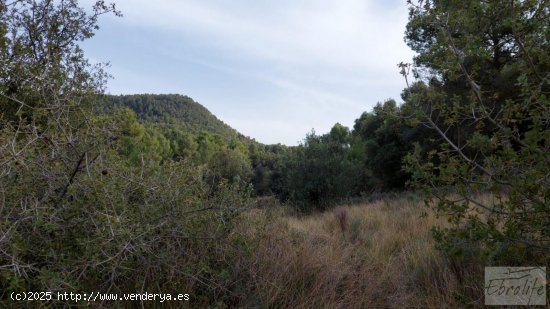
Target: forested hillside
153, 194
322, 171
172, 110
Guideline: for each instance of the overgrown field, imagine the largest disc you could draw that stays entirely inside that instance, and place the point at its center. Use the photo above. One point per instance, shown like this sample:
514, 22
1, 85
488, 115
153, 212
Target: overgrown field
153, 193
375, 255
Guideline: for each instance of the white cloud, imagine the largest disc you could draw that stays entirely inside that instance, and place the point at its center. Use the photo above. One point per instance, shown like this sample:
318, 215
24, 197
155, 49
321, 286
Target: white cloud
340, 34
326, 60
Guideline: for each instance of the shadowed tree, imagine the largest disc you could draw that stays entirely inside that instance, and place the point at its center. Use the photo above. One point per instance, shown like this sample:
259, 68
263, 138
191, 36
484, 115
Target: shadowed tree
485, 86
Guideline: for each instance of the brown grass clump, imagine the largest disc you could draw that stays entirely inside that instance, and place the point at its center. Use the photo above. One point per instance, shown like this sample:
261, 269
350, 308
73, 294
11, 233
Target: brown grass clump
341, 214
386, 259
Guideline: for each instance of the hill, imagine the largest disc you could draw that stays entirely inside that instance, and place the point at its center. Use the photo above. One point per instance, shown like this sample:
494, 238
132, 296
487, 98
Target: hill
169, 110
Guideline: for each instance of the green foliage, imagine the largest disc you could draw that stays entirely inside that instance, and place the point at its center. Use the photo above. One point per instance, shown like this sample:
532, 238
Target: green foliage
143, 192
229, 164
325, 169
102, 202
157, 128
342, 164
321, 170
172, 111
385, 138
139, 144
484, 67
268, 163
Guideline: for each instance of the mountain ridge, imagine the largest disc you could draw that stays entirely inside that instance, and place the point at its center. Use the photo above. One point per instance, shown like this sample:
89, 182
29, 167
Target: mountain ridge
174, 110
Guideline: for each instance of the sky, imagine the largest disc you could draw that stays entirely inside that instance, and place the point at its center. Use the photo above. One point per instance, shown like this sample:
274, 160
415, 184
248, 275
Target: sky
273, 70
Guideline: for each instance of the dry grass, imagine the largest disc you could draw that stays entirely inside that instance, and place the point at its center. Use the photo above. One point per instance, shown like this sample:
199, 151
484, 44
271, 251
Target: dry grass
378, 255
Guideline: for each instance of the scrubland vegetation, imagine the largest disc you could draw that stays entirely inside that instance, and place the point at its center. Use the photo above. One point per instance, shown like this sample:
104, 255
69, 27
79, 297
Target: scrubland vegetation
375, 255
152, 193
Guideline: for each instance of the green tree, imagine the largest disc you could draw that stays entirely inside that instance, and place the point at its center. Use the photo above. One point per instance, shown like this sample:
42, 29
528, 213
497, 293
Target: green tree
208, 145
230, 164
87, 201
40, 43
321, 171
485, 83
48, 136
385, 138
183, 144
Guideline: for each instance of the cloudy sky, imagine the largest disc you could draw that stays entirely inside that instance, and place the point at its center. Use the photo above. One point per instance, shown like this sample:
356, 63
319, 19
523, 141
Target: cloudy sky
273, 70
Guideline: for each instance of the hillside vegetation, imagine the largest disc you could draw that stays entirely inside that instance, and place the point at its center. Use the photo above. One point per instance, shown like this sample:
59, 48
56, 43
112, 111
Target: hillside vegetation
172, 111
152, 193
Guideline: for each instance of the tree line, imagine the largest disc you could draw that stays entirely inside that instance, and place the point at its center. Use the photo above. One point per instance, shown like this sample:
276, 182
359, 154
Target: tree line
321, 171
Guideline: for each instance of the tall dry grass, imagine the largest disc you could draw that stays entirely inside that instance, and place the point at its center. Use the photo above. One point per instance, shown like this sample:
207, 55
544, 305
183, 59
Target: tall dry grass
377, 255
